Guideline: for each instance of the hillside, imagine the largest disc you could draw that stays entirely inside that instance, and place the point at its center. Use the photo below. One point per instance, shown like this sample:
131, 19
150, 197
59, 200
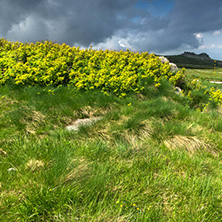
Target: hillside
195, 61
150, 153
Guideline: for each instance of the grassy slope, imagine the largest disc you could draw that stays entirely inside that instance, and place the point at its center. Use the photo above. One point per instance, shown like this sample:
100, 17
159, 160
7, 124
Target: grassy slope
151, 158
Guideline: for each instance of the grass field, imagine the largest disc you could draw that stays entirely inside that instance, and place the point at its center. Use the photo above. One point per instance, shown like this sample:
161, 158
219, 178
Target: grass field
206, 74
150, 158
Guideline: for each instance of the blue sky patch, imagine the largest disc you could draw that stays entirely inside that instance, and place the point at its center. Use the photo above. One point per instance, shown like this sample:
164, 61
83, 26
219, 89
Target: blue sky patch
157, 7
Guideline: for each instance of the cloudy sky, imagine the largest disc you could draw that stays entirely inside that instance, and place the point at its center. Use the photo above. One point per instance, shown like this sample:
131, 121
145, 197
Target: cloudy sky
159, 26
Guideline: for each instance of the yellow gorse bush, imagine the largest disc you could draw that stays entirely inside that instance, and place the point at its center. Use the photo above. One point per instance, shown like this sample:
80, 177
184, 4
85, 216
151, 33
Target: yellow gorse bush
52, 64
215, 95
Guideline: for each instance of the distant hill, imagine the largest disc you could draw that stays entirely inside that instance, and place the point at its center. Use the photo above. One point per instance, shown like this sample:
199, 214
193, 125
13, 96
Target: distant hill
194, 61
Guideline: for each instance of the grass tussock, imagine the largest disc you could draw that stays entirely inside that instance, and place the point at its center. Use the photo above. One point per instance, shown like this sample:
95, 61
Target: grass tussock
190, 144
34, 165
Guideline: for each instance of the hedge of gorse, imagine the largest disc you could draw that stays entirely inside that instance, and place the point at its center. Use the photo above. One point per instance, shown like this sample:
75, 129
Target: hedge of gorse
51, 64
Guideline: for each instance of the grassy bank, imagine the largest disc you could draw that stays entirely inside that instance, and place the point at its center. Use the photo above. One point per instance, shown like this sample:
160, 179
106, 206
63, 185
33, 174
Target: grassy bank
154, 155
150, 158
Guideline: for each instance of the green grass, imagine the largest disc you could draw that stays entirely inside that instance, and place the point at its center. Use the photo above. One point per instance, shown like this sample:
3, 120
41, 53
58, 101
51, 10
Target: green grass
119, 169
206, 74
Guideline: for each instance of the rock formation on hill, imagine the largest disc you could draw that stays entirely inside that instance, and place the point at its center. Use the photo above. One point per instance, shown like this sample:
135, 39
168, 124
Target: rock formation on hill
203, 55
194, 61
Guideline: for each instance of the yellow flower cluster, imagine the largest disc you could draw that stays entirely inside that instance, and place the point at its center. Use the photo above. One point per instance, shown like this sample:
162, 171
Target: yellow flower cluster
201, 97
52, 64
215, 95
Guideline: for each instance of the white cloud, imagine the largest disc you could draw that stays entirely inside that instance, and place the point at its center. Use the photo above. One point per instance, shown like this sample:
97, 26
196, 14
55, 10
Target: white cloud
217, 32
124, 43
199, 35
202, 47
24, 30
209, 46
112, 43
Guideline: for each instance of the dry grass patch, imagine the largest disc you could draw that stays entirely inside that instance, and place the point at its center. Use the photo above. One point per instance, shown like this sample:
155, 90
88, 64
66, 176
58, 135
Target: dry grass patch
89, 112
11, 195
102, 134
2, 152
133, 140
146, 131
80, 171
37, 119
5, 104
34, 165
196, 128
190, 143
136, 137
5, 101
109, 130
170, 199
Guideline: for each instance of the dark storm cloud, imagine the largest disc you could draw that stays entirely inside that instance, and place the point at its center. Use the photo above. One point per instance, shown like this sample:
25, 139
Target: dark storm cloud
15, 11
177, 29
197, 15
69, 21
99, 22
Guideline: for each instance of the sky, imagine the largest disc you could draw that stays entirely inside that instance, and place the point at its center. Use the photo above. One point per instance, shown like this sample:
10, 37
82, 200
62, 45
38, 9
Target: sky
163, 27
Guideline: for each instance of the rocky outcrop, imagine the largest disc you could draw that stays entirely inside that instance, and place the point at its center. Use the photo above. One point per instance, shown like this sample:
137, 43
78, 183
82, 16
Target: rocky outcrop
173, 66
203, 56
82, 122
178, 91
163, 59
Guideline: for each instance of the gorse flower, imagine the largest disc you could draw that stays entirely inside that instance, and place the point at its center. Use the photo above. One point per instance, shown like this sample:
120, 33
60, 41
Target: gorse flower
50, 64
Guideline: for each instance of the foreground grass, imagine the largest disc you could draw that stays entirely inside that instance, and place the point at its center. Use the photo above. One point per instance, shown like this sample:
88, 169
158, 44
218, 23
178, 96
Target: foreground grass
151, 157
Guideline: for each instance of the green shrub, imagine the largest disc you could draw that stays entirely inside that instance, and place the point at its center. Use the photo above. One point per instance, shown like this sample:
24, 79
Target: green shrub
50, 64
